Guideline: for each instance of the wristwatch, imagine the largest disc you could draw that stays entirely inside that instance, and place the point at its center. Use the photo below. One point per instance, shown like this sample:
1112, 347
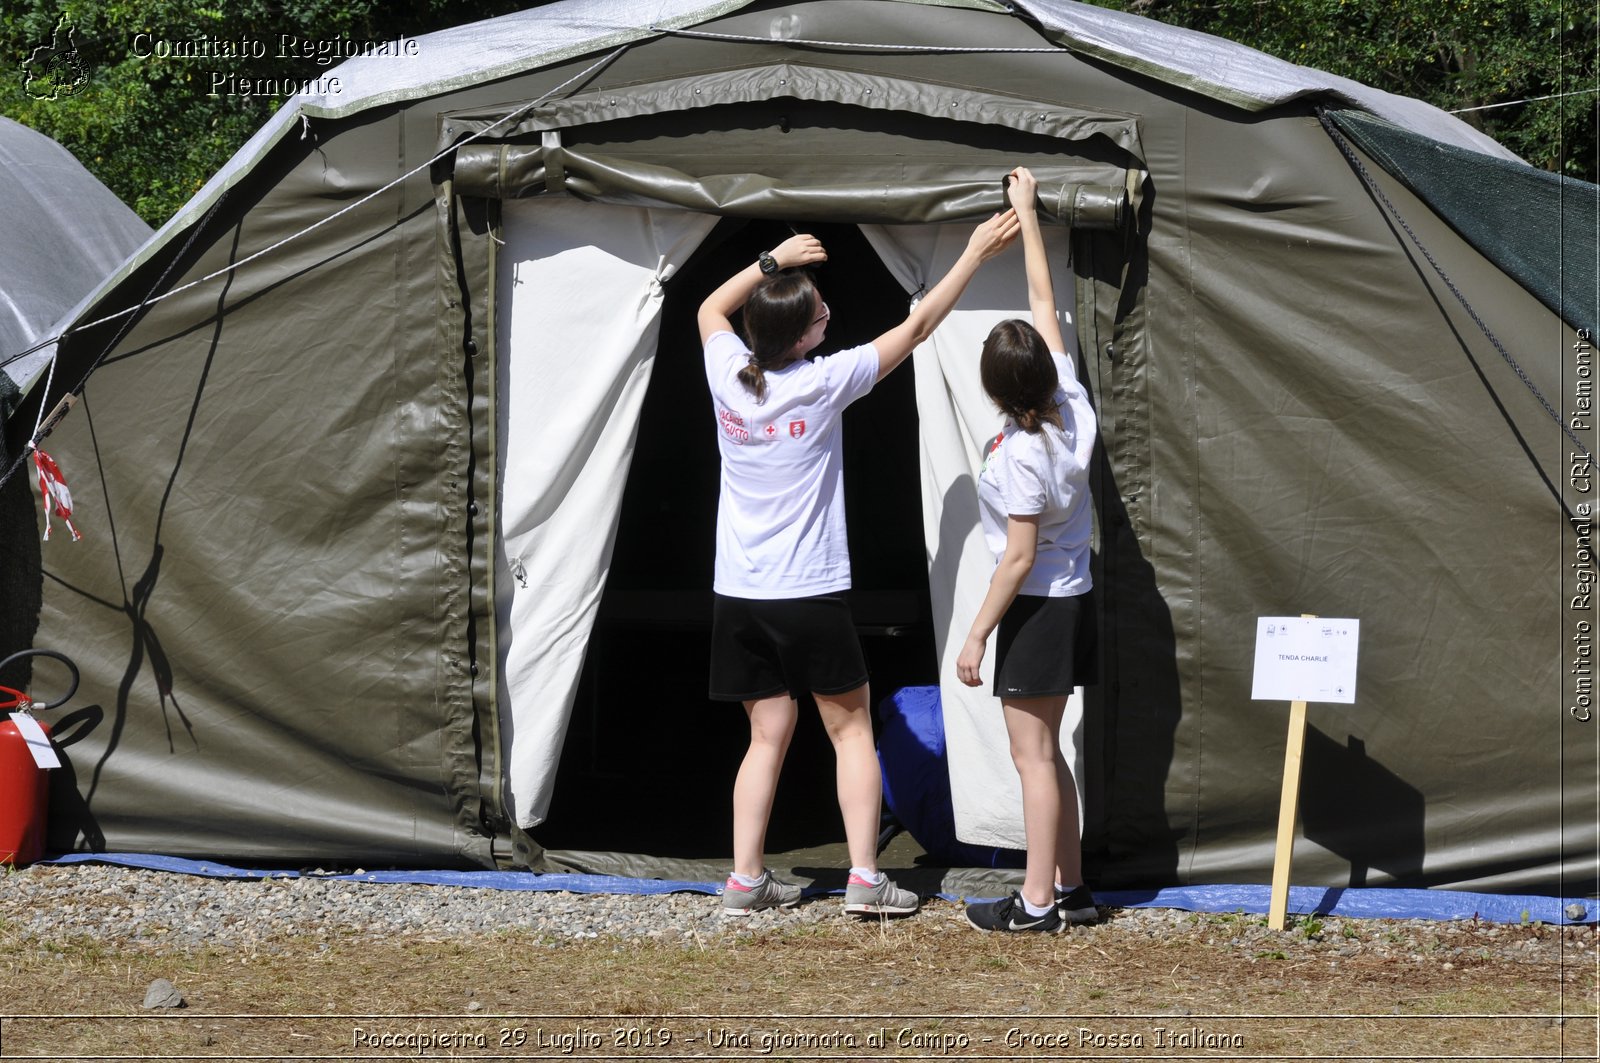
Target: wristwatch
769, 265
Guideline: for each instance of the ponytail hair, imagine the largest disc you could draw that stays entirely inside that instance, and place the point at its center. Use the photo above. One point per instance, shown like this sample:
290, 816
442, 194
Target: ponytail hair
1020, 376
776, 316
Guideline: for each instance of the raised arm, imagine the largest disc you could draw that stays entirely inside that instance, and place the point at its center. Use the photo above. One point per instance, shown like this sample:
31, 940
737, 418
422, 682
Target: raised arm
987, 241
717, 311
1023, 193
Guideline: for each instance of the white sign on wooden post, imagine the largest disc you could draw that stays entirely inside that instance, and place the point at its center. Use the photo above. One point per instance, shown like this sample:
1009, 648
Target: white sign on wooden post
1299, 659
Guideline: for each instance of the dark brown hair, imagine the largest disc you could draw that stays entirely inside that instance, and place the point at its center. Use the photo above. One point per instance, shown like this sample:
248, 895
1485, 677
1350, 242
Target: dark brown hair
1019, 375
776, 315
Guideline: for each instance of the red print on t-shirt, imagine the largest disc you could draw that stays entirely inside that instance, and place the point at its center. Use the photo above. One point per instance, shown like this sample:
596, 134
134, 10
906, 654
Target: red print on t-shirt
797, 428
733, 426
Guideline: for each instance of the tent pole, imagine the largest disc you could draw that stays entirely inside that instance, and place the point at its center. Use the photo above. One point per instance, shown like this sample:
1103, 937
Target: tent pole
1288, 810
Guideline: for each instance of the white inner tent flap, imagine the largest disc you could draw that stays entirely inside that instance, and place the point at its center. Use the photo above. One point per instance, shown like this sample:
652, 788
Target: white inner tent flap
956, 421
580, 296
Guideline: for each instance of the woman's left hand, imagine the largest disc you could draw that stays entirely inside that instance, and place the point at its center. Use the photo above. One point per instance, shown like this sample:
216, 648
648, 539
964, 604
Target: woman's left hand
1023, 190
968, 663
802, 249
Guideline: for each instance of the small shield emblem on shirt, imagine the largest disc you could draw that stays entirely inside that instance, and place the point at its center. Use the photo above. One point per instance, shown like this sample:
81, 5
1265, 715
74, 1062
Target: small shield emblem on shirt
797, 429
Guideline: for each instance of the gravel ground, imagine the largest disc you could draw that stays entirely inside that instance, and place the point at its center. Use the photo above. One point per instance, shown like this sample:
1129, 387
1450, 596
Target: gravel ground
153, 910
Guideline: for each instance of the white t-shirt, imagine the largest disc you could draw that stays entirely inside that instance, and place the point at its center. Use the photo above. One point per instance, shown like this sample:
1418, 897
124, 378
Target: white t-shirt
1045, 473
780, 513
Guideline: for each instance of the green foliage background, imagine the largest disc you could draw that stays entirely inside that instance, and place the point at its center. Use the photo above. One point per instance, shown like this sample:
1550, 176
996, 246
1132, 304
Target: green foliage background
150, 130
1455, 54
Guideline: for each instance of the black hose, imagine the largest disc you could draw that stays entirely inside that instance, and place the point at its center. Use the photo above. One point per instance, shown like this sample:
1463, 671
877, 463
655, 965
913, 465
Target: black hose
64, 659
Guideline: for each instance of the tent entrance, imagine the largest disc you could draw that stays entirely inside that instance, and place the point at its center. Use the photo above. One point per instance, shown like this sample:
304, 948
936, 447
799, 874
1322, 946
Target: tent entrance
648, 762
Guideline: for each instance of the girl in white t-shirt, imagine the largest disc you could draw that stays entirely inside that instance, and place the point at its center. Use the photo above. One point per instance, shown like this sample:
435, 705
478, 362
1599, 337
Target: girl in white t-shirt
780, 625
1034, 502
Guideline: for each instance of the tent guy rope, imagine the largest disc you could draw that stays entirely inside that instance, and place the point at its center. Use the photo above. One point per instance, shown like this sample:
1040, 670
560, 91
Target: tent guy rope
1530, 99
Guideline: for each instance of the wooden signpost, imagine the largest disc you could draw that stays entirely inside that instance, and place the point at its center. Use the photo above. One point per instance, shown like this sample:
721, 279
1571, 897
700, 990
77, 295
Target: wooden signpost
1299, 660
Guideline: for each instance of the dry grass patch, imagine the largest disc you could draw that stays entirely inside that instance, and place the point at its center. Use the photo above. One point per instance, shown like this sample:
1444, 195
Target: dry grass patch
1137, 985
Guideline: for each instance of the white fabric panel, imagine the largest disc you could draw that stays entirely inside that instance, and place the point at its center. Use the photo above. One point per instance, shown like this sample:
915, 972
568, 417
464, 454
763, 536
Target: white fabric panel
956, 419
580, 308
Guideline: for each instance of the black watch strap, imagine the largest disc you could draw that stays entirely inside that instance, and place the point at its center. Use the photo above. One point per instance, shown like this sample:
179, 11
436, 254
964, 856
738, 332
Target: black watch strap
769, 265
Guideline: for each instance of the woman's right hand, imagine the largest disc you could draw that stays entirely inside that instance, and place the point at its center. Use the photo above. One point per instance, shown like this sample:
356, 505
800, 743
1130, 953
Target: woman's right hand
1023, 190
800, 250
970, 661
994, 235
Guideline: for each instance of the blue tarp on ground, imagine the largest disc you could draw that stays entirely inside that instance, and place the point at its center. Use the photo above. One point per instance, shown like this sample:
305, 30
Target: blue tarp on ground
1369, 903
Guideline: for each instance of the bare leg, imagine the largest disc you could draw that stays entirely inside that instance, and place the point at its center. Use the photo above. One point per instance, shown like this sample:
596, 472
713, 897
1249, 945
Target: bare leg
1069, 843
1049, 797
772, 723
847, 718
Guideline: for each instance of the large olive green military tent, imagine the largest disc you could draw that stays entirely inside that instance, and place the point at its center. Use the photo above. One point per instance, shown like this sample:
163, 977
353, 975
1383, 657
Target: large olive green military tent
396, 487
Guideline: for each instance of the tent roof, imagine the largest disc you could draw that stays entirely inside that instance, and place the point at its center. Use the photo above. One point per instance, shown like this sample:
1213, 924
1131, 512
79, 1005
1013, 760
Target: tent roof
65, 232
1235, 73
481, 52
1211, 66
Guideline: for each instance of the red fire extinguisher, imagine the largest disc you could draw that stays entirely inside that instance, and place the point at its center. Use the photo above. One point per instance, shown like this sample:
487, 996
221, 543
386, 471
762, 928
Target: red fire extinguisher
24, 785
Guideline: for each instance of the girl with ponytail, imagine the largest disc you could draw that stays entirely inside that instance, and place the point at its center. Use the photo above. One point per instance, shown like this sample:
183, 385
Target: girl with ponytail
1033, 496
780, 623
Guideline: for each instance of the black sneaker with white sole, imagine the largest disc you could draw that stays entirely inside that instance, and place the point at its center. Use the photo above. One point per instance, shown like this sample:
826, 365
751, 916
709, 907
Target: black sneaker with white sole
1010, 916
1077, 905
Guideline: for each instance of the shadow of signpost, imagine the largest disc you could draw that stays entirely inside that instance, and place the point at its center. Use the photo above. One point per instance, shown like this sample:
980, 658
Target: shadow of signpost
1361, 811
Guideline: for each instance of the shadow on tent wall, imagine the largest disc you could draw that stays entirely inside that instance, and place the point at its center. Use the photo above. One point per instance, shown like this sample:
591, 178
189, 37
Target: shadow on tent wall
1355, 807
649, 760
1134, 836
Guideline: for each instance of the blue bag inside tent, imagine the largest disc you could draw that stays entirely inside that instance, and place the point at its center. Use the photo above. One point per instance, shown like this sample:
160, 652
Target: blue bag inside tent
916, 780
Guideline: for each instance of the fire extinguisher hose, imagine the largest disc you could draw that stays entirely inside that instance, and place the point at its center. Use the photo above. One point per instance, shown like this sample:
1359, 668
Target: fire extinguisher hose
63, 658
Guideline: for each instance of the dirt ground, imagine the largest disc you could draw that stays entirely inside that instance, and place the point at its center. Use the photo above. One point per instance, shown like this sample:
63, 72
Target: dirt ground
1143, 984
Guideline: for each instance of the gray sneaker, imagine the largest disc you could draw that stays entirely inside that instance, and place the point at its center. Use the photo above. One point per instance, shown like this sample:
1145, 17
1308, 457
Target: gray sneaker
768, 892
863, 898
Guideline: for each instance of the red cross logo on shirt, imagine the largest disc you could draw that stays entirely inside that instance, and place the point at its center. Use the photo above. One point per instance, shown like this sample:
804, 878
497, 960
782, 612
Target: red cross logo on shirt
770, 430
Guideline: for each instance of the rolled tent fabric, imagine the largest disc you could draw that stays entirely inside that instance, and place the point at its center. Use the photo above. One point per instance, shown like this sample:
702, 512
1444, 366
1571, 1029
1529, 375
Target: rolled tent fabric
580, 297
955, 421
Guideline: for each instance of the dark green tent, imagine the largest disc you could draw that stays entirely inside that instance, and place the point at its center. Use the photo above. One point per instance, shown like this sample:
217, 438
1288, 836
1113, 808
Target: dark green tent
396, 493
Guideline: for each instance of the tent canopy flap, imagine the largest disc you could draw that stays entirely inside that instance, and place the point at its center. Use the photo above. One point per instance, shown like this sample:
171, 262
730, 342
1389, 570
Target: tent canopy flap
897, 150
510, 171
